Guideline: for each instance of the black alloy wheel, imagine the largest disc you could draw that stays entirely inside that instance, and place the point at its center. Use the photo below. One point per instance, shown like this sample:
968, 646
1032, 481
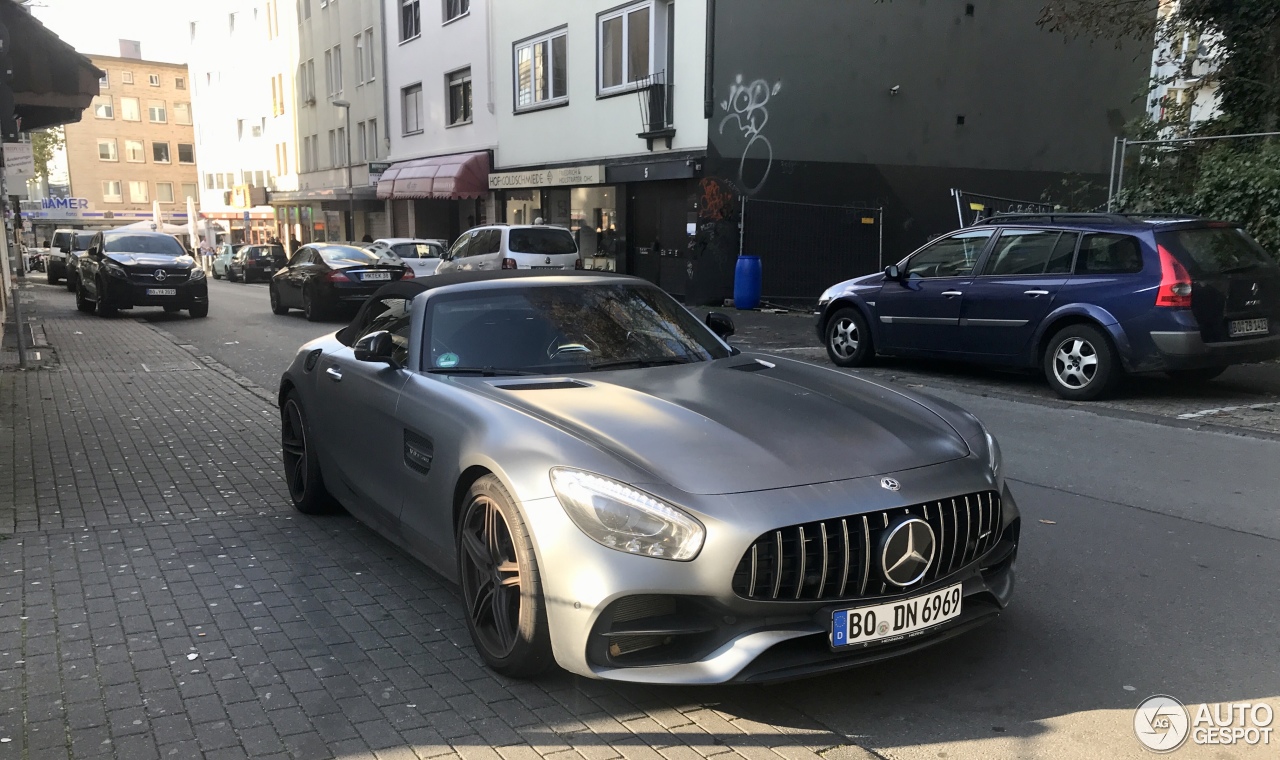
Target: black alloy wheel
83, 304
276, 306
501, 587
103, 307
301, 469
310, 309
199, 310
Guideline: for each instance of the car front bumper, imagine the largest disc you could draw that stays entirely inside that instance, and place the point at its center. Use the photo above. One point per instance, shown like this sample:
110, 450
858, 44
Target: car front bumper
600, 601
125, 294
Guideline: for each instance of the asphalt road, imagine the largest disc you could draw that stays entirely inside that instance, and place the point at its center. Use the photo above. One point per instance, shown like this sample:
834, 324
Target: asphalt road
1148, 566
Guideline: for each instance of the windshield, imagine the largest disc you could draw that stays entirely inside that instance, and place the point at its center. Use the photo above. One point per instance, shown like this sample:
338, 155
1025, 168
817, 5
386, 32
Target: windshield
416, 250
547, 242
346, 256
83, 239
1216, 250
159, 244
563, 328
268, 252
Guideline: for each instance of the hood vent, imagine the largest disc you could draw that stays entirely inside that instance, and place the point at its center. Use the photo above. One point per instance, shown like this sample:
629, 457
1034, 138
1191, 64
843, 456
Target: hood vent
757, 365
545, 385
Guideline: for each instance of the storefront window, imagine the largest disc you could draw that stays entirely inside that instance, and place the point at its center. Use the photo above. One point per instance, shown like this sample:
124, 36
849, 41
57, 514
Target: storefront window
522, 206
594, 222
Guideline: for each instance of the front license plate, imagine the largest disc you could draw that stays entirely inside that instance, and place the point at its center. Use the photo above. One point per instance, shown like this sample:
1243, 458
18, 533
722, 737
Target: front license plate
162, 291
370, 276
885, 621
1247, 327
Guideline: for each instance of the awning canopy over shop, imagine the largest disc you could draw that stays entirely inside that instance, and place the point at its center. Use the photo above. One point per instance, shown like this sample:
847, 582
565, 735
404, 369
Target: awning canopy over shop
464, 175
52, 84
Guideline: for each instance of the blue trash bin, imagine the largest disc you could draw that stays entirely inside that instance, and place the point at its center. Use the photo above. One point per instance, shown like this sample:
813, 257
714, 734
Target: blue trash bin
746, 283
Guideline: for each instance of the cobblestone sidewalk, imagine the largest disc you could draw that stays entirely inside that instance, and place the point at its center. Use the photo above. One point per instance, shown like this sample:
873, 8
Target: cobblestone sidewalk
158, 599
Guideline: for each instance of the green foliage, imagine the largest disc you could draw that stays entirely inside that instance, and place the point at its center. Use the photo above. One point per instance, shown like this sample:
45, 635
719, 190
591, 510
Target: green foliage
44, 144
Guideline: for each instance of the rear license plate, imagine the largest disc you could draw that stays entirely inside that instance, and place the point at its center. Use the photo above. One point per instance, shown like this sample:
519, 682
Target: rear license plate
370, 276
1240, 327
863, 625
162, 291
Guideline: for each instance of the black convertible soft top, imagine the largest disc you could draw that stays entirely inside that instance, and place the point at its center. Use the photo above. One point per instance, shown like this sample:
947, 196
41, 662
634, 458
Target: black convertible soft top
409, 289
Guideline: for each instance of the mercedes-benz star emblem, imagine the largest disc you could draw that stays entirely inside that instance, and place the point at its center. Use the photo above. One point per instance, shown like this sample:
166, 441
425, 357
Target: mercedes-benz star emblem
908, 552
1254, 289
161, 276
890, 484
549, 261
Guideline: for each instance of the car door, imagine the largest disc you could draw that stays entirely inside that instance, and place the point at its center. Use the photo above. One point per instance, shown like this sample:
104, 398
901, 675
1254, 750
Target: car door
361, 431
486, 249
920, 311
290, 285
89, 269
459, 254
1019, 282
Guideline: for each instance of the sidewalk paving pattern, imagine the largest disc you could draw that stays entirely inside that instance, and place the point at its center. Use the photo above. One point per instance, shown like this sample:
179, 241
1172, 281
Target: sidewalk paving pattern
160, 599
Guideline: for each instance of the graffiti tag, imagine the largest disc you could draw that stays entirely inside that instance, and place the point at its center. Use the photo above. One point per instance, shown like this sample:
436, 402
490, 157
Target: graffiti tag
746, 106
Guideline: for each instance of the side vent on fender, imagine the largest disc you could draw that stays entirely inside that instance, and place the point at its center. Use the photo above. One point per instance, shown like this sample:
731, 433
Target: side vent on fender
418, 452
311, 360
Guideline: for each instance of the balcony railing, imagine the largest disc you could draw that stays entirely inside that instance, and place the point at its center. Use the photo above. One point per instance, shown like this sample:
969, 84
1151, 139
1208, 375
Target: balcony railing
656, 118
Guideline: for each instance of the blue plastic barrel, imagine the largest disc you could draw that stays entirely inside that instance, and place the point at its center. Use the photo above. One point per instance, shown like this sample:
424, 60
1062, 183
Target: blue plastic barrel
746, 283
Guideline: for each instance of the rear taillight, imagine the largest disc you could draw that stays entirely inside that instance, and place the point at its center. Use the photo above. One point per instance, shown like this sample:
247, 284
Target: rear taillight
509, 264
408, 274
337, 277
1175, 282
577, 264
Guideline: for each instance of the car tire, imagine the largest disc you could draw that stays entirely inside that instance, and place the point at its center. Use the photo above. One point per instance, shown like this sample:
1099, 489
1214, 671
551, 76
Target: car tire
276, 306
199, 310
1080, 363
71, 283
310, 309
1193, 376
216, 276
501, 587
848, 339
83, 304
103, 307
301, 466
48, 276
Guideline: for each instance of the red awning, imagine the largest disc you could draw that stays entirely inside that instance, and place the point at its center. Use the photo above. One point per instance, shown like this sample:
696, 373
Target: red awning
464, 175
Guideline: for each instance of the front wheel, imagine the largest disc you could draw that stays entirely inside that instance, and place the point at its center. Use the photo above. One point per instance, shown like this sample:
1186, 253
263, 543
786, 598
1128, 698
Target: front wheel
49, 276
72, 282
276, 306
199, 310
103, 306
849, 339
216, 276
1080, 363
501, 588
83, 304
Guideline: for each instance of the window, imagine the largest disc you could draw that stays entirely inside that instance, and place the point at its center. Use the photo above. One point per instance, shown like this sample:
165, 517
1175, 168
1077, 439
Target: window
624, 49
364, 57
179, 83
231, 22
410, 20
1109, 254
372, 151
182, 113
1031, 253
456, 9
304, 10
411, 106
333, 69
164, 192
107, 149
342, 147
111, 191
160, 152
129, 109
950, 257
153, 80
460, 97
370, 72
307, 82
105, 81
208, 181
315, 152
156, 112
138, 192
186, 153
102, 107
359, 43
221, 181
361, 157
540, 72
133, 152
277, 95
1208, 251
333, 148
126, 77
190, 190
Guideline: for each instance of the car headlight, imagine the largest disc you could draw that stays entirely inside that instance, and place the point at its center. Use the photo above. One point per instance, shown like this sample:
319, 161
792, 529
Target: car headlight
115, 270
827, 295
197, 273
994, 457
620, 517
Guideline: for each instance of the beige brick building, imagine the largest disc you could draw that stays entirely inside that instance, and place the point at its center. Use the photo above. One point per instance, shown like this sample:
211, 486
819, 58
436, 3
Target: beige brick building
135, 144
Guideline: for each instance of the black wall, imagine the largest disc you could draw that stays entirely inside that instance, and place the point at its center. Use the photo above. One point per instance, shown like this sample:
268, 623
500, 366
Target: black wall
801, 89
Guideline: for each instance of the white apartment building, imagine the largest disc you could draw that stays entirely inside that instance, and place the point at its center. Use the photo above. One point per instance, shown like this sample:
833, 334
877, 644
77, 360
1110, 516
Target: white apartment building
602, 126
242, 103
441, 115
1183, 73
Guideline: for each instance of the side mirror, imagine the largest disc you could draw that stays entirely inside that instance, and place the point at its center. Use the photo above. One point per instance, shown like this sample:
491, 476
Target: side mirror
376, 347
93, 252
891, 272
720, 324
65, 248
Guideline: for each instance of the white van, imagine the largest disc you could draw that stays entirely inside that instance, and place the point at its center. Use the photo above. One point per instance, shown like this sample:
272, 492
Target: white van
520, 246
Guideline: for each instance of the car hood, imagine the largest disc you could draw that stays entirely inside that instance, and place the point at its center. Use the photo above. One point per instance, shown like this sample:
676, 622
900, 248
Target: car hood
737, 425
151, 260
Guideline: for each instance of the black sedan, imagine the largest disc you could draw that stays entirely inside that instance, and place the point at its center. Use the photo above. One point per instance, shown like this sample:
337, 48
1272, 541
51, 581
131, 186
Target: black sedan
255, 262
127, 268
322, 277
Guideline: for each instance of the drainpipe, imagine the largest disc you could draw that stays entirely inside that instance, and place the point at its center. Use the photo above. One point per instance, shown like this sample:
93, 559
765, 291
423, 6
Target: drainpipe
386, 87
709, 66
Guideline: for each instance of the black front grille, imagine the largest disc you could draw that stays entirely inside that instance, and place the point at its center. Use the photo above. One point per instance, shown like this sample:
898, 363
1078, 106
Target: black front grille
834, 559
148, 275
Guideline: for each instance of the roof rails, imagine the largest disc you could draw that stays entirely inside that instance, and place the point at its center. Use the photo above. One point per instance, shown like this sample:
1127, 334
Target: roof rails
1093, 217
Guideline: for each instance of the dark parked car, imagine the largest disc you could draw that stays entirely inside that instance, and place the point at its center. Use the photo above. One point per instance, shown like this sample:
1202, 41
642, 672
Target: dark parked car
68, 247
1085, 297
128, 268
321, 277
255, 262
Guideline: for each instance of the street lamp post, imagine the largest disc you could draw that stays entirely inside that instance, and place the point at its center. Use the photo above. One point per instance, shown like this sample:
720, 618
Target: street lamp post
345, 105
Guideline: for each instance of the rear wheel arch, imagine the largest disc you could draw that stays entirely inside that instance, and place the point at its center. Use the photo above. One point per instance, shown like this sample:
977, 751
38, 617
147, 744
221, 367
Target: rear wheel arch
1052, 328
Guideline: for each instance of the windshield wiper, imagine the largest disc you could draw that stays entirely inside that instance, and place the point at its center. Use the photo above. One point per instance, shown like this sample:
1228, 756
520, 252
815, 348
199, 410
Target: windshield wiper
483, 371
639, 363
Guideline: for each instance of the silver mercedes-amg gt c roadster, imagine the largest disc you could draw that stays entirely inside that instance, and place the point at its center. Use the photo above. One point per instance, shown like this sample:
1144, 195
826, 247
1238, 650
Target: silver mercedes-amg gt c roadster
619, 491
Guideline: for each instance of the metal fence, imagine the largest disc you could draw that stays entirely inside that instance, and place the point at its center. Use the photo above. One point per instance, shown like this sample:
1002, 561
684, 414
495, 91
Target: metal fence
805, 248
1173, 165
972, 208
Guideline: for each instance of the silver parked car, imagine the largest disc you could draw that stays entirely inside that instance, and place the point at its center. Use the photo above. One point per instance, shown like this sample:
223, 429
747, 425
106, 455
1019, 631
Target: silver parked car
505, 246
619, 491
422, 256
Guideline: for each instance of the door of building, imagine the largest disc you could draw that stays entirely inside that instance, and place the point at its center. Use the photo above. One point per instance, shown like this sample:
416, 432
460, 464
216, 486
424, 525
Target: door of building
657, 239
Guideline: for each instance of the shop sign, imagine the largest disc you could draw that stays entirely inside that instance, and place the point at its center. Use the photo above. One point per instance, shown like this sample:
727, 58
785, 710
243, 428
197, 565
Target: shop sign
568, 175
376, 168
